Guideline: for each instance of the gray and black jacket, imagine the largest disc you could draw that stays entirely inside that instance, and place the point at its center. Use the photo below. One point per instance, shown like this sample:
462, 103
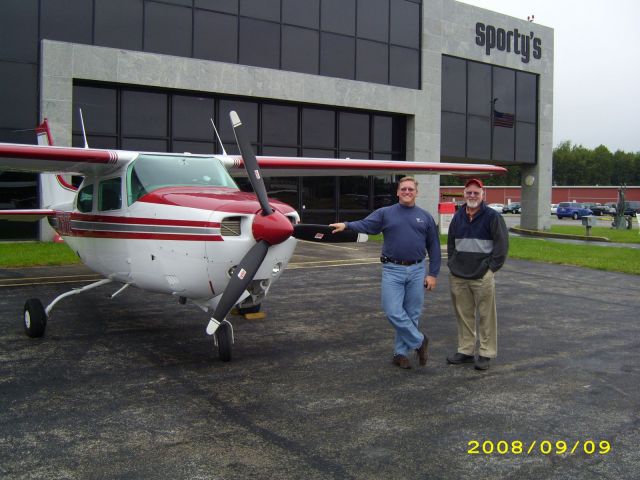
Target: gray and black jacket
475, 246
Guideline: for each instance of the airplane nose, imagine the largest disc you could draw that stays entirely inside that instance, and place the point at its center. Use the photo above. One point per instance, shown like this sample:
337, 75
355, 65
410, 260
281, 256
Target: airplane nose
273, 229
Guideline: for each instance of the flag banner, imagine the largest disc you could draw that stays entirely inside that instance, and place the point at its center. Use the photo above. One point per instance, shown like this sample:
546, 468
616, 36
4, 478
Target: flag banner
501, 119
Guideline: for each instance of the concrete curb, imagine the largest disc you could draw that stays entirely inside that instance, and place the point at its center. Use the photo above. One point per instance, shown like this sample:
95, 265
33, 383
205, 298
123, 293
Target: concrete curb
540, 233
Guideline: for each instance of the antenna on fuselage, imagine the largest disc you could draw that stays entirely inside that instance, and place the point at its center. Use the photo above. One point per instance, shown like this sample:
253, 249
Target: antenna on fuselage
219, 140
84, 132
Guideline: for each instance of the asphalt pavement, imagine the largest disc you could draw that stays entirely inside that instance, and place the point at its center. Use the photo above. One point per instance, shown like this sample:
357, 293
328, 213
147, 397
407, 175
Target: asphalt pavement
132, 387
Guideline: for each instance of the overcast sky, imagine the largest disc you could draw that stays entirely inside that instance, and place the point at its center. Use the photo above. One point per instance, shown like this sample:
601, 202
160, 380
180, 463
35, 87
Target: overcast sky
596, 98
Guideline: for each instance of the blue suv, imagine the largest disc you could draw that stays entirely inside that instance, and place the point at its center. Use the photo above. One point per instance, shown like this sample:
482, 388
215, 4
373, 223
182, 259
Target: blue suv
573, 210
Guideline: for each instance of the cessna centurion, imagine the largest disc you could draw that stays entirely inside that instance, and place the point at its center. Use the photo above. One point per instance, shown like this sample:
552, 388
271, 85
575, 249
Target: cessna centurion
178, 223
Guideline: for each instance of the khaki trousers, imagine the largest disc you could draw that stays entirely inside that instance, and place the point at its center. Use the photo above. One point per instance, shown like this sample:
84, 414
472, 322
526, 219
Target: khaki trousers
469, 297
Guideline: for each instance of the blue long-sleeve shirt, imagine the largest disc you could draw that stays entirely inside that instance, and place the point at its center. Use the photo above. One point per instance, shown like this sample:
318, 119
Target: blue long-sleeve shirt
409, 233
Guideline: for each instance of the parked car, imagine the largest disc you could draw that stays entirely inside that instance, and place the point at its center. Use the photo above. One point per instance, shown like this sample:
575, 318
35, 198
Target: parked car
511, 208
612, 207
597, 208
573, 210
496, 206
554, 208
632, 208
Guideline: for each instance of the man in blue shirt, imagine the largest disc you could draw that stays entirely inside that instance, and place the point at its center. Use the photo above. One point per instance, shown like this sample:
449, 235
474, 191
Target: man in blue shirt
409, 233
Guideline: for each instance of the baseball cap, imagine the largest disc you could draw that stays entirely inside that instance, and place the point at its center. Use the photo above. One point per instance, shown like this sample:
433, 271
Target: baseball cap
474, 180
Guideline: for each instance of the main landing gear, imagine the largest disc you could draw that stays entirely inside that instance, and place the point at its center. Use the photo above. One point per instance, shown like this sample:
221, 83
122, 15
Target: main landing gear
36, 315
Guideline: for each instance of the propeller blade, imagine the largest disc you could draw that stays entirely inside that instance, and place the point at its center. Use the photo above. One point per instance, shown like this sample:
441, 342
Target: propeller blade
250, 163
242, 276
322, 233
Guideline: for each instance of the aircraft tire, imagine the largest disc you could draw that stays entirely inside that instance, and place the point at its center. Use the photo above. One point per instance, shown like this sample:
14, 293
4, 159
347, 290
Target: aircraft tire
223, 335
35, 318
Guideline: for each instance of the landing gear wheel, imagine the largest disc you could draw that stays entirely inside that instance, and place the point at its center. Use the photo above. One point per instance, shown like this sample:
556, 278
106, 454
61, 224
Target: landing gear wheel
223, 336
35, 318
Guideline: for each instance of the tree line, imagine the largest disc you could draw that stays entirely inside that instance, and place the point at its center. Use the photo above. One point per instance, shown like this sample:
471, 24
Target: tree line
577, 165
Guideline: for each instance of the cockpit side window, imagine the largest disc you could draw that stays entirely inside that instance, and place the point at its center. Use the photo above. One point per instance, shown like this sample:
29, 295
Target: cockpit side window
84, 200
110, 194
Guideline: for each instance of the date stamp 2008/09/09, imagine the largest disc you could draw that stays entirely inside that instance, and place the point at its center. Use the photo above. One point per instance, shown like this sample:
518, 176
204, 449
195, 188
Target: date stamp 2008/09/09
545, 447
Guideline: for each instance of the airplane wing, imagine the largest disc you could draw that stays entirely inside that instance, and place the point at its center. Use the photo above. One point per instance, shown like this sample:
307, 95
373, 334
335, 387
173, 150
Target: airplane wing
47, 159
31, 215
301, 166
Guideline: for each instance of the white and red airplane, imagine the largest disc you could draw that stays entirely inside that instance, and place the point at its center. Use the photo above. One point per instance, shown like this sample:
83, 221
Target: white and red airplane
178, 224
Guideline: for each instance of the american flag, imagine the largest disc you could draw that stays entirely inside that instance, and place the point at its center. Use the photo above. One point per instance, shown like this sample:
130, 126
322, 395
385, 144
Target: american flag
501, 119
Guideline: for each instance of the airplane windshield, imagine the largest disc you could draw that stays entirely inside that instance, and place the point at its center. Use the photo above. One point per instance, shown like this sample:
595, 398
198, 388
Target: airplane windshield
151, 172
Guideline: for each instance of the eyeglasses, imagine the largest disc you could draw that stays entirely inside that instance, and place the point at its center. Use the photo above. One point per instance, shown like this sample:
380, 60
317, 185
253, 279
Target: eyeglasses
407, 189
473, 194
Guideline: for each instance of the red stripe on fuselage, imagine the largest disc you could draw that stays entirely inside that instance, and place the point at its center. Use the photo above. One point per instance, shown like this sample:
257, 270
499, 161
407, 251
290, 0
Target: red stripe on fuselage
142, 220
146, 236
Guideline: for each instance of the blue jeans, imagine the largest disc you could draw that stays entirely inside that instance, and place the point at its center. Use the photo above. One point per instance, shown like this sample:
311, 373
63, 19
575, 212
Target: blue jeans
402, 299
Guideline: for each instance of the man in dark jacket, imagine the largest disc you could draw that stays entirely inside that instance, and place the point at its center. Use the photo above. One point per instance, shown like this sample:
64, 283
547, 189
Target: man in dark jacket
477, 247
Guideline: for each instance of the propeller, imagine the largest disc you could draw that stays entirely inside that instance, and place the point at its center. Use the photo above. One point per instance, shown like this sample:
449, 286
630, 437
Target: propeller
270, 227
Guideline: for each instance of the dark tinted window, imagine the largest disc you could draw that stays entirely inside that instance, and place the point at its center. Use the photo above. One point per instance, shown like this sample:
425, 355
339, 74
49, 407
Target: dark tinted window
525, 142
478, 137
318, 128
503, 144
354, 131
279, 125
19, 30
144, 113
98, 106
191, 117
373, 19
337, 55
167, 29
405, 23
18, 95
284, 189
404, 67
454, 80
526, 95
471, 91
305, 13
118, 24
338, 16
504, 89
388, 134
354, 194
479, 88
215, 36
264, 9
259, 43
181, 146
452, 137
372, 62
145, 144
67, 20
229, 6
300, 47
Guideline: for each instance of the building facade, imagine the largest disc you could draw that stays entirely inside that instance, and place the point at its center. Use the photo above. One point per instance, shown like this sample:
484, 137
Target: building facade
387, 79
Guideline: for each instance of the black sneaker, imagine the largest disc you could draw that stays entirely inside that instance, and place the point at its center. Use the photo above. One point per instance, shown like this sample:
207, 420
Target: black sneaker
482, 363
459, 358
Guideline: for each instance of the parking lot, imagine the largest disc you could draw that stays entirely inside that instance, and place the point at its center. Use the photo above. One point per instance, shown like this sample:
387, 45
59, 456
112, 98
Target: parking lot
132, 387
